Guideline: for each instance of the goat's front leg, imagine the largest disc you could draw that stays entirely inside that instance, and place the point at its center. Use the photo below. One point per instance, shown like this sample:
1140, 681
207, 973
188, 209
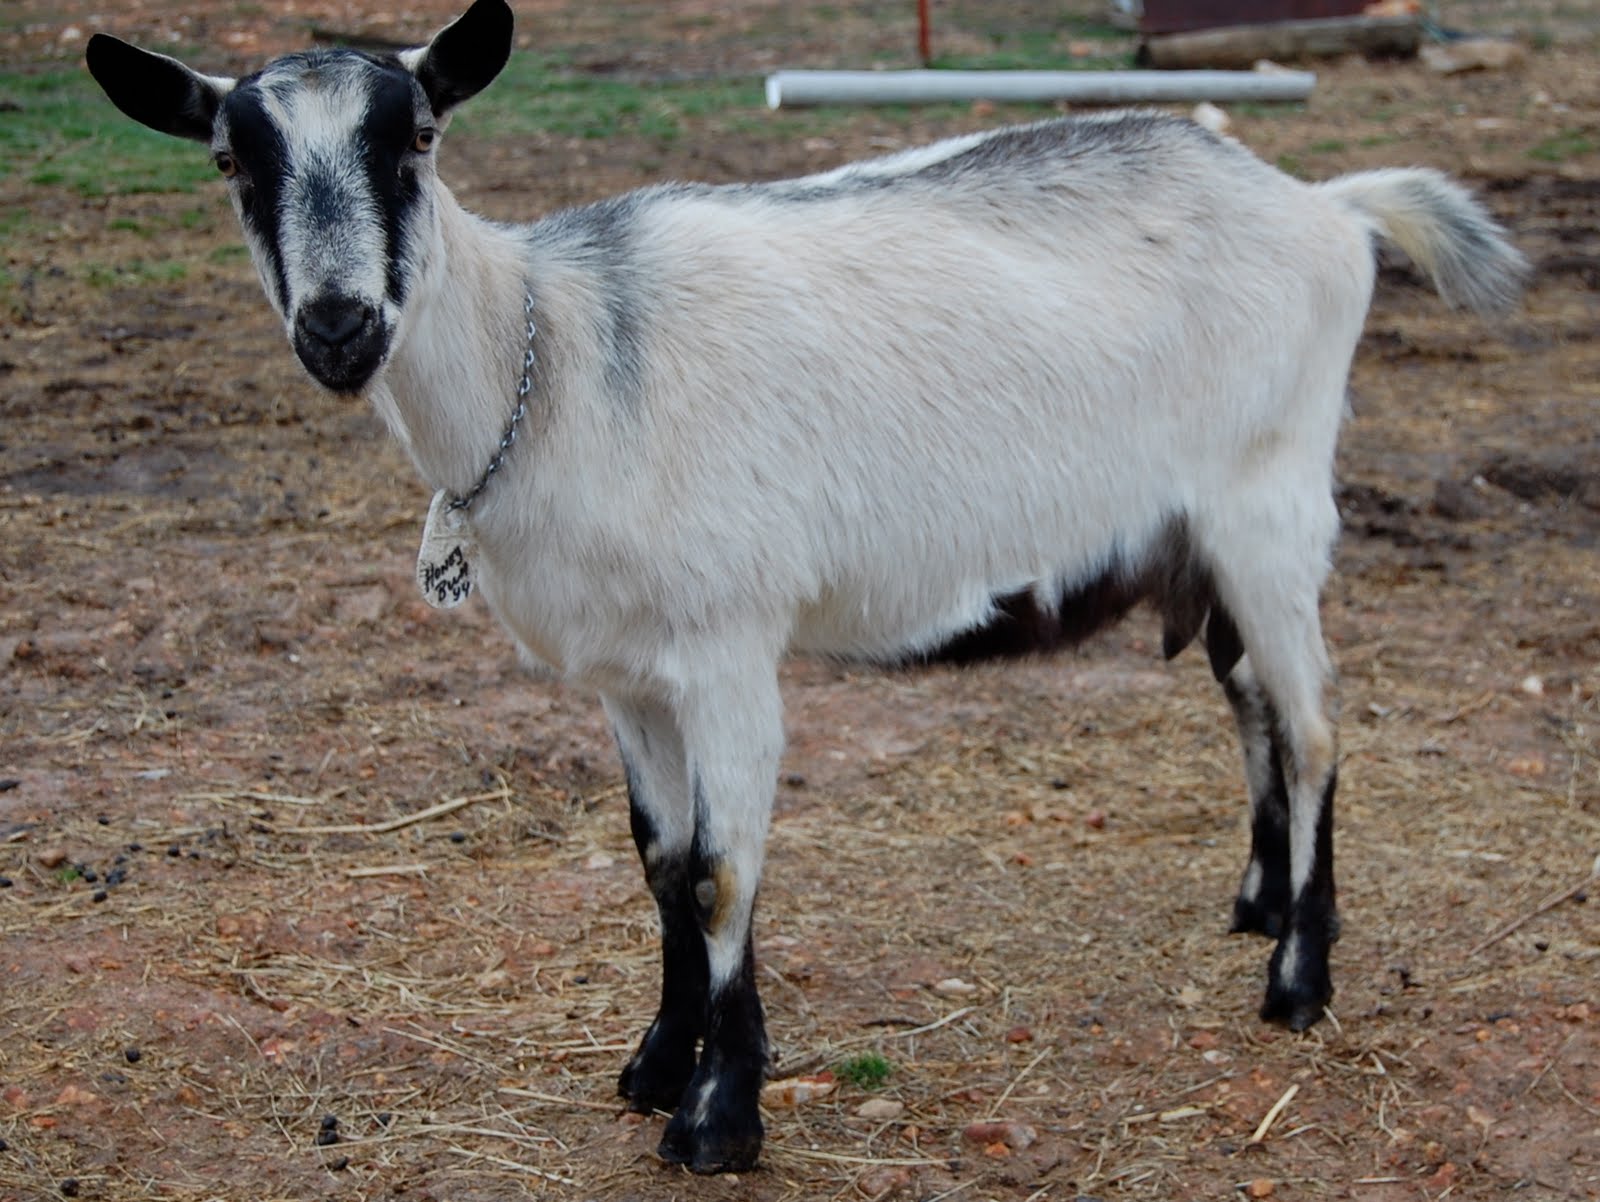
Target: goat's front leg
662, 819
733, 734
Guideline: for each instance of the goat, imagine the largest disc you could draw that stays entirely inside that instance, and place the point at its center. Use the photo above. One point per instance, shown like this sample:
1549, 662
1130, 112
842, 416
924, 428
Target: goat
978, 398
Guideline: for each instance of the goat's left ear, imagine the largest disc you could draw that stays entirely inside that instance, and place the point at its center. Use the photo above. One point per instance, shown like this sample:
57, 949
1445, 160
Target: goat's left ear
464, 56
156, 90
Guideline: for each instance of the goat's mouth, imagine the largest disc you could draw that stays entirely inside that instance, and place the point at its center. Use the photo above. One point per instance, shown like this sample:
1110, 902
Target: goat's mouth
341, 342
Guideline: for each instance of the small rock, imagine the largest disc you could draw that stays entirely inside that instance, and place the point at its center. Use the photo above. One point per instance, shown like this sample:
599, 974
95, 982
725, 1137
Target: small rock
1012, 1136
1019, 1035
69, 1187
496, 980
954, 987
1526, 765
52, 857
883, 1181
1471, 54
1261, 1187
1533, 686
599, 861
1095, 820
881, 1109
796, 1091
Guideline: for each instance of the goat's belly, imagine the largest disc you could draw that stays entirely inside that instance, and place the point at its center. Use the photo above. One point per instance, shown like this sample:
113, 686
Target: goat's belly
886, 627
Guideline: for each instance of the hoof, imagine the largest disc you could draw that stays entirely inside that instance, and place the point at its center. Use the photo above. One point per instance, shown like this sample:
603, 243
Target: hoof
658, 1074
1297, 1015
1298, 997
707, 1149
1251, 917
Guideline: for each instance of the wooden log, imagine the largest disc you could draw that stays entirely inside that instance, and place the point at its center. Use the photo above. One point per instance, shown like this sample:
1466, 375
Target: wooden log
1239, 46
1179, 16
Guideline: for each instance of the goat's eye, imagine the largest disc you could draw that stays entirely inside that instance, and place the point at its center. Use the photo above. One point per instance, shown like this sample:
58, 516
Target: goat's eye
227, 164
423, 142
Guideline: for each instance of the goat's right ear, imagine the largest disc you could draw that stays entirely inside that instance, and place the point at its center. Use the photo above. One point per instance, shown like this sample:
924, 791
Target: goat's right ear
464, 56
156, 90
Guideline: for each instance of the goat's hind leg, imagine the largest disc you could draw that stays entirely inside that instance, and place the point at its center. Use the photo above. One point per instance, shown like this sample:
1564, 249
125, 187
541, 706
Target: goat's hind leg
662, 819
1262, 904
1270, 588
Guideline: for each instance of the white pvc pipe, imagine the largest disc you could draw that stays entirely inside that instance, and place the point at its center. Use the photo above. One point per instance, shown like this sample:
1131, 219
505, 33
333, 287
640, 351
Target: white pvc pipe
792, 88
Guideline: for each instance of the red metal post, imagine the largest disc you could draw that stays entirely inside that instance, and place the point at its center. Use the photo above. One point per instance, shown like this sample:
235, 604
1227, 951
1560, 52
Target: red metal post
924, 34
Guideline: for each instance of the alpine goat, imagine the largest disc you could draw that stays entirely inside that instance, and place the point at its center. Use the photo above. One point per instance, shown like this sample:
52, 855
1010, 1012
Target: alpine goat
977, 398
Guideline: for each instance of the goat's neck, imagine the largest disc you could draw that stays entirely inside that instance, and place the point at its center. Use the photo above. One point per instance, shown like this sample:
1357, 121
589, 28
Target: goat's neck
450, 386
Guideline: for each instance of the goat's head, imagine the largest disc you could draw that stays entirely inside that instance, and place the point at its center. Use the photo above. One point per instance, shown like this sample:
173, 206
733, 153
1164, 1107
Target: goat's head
329, 160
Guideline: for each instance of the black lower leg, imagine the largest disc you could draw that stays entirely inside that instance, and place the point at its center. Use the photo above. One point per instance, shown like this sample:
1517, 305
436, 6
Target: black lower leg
1262, 904
717, 1128
659, 1072
1299, 984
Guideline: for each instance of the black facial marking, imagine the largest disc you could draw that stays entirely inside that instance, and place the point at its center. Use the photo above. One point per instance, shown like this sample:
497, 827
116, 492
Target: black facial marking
326, 203
386, 135
258, 147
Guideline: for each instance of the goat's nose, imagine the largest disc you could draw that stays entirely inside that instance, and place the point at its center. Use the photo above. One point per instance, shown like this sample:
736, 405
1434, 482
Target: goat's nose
333, 321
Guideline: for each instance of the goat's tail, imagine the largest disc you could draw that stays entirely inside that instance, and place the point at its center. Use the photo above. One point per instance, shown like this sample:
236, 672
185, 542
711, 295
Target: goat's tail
1449, 236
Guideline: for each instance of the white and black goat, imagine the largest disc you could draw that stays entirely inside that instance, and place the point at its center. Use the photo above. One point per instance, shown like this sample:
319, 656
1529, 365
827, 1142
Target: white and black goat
979, 398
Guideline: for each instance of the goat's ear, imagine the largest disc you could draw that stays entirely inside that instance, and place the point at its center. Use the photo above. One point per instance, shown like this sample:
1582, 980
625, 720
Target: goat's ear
156, 90
464, 56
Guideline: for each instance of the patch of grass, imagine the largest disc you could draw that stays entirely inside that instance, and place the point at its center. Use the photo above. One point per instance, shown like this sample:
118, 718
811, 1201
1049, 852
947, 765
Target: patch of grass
869, 1070
1558, 148
231, 253
542, 94
1257, 109
135, 271
1327, 146
1290, 165
65, 134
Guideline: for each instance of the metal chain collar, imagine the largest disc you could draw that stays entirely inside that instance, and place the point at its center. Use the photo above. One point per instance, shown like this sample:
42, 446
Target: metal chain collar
524, 386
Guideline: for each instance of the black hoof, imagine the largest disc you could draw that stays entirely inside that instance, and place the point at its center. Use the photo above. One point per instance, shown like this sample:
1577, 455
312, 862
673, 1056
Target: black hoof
708, 1149
658, 1074
1251, 917
1296, 1015
1299, 1003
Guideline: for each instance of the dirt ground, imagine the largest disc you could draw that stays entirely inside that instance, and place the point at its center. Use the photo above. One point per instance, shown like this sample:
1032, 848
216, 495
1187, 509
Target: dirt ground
227, 971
